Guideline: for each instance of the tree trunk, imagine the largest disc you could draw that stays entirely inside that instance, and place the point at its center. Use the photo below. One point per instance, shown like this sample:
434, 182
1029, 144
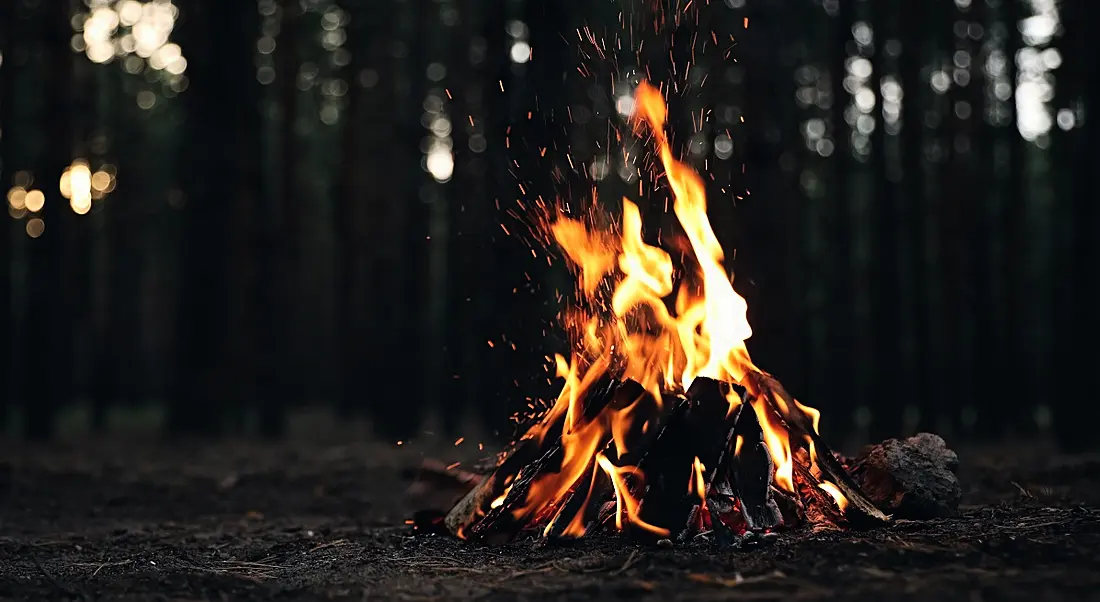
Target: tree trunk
202, 376
276, 249
49, 333
841, 327
886, 299
1074, 414
913, 25
8, 151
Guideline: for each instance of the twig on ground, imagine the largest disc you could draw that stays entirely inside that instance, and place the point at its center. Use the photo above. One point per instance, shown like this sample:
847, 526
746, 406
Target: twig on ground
338, 542
99, 566
631, 560
1023, 491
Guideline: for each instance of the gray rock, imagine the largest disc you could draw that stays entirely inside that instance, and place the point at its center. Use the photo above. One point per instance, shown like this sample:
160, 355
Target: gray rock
912, 478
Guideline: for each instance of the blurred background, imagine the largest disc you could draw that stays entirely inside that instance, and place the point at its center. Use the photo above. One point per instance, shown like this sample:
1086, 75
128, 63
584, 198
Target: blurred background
223, 216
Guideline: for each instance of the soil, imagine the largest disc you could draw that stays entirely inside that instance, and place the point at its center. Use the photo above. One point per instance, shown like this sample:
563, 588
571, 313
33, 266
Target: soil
149, 520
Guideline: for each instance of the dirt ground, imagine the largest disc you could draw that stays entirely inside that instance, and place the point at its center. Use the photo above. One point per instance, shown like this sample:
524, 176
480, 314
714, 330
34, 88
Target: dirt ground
145, 520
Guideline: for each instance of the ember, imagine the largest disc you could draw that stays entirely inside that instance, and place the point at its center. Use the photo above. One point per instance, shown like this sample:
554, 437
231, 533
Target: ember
664, 428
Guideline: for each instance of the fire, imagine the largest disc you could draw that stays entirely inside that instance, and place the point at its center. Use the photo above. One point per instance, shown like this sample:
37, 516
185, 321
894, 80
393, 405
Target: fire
661, 328
838, 497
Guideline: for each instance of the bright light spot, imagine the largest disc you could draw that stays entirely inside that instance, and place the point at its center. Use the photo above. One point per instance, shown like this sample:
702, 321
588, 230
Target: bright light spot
723, 146
865, 100
1040, 28
940, 81
1066, 119
440, 163
130, 27
860, 67
521, 52
625, 105
80, 185
101, 180
35, 201
1034, 81
441, 126
17, 198
129, 12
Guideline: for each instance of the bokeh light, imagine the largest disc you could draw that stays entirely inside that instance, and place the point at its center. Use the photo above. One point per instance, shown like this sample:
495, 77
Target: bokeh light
138, 34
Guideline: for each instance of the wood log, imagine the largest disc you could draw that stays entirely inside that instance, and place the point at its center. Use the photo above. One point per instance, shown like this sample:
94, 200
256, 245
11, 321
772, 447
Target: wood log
583, 504
751, 472
475, 518
589, 496
702, 429
790, 507
821, 511
801, 428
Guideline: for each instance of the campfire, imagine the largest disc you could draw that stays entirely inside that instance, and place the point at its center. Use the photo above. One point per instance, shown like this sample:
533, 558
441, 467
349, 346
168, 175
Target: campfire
664, 428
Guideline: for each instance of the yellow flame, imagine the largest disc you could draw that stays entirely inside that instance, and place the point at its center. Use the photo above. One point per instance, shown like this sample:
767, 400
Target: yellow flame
838, 497
632, 312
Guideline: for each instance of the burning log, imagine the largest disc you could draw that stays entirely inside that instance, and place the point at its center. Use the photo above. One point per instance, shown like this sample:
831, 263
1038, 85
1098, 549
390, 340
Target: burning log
790, 507
582, 507
588, 501
752, 472
801, 426
490, 507
698, 437
820, 508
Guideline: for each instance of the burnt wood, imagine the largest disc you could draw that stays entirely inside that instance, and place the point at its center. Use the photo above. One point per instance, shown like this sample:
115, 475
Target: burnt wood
800, 428
473, 518
752, 472
821, 511
702, 429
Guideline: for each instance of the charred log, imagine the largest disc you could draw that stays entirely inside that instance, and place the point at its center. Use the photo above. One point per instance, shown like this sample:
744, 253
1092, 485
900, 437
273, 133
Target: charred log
801, 428
790, 507
702, 429
912, 478
752, 472
580, 512
475, 516
590, 496
821, 510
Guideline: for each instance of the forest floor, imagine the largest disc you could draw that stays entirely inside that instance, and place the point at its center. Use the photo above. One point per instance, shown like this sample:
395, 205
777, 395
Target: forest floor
144, 520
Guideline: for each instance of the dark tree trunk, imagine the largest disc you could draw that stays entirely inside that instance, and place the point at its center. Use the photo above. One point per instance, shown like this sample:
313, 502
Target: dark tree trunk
886, 294
403, 232
350, 218
203, 379
8, 150
913, 34
1013, 226
1075, 416
49, 340
841, 327
985, 386
277, 247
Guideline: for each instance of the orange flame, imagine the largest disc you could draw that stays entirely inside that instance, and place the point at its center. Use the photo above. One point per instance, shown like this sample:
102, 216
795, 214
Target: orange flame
624, 289
623, 500
697, 484
838, 497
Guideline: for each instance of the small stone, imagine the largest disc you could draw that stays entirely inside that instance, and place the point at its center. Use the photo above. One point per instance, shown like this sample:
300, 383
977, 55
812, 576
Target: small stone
664, 543
912, 478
